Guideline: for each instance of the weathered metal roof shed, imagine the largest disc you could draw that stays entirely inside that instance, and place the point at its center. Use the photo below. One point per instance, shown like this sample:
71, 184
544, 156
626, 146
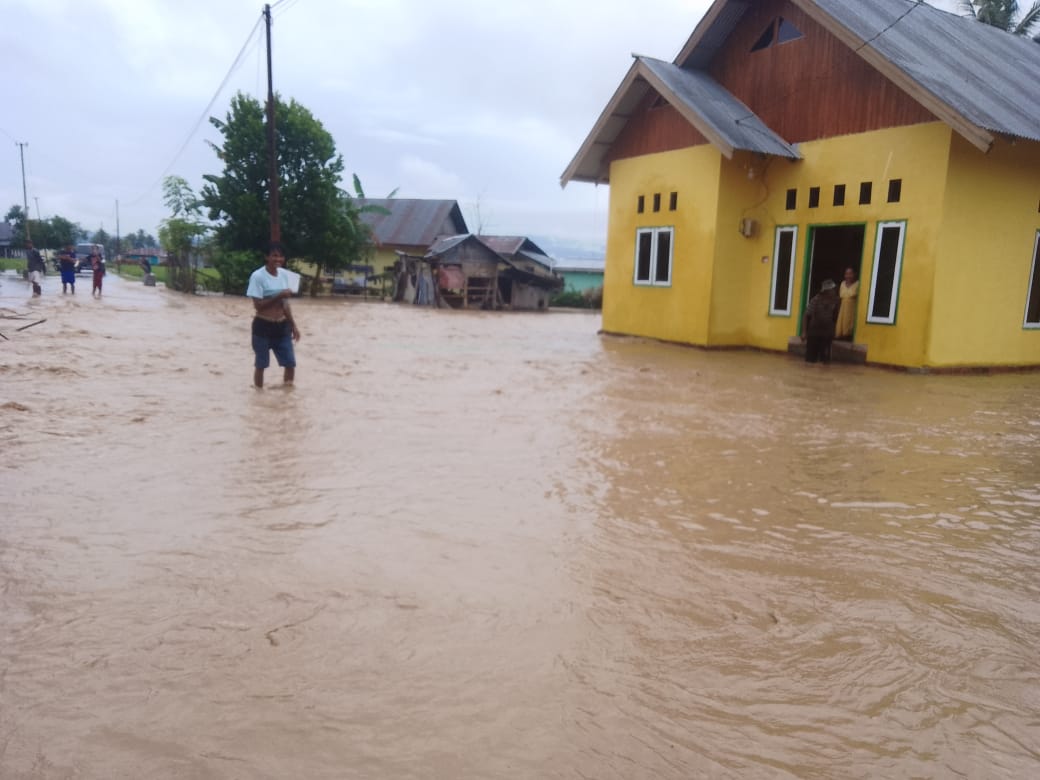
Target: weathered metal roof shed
412, 222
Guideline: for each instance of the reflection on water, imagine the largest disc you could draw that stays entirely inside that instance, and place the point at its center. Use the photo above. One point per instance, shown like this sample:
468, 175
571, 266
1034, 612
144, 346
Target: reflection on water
477, 545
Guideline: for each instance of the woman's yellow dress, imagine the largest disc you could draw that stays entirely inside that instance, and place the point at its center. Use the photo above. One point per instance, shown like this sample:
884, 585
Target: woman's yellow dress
847, 313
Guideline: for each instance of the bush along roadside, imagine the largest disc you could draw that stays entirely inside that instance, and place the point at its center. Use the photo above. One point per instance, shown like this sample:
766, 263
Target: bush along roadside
572, 299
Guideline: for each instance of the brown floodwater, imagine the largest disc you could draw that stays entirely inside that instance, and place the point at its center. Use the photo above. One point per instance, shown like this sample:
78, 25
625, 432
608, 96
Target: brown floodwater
475, 545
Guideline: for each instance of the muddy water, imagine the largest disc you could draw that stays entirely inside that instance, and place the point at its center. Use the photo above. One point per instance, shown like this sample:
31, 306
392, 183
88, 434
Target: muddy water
471, 545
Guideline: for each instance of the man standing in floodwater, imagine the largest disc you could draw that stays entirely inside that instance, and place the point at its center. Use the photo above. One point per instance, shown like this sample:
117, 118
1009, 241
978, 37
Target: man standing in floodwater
36, 267
818, 328
273, 326
67, 264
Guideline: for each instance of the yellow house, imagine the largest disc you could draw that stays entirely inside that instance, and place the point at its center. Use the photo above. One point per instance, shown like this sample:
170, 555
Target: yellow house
792, 139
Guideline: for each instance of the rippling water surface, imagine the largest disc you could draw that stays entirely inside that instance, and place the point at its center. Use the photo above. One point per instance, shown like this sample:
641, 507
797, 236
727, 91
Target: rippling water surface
488, 545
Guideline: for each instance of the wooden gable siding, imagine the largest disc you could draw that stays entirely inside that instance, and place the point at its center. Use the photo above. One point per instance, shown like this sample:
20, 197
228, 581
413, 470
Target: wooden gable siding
810, 88
653, 129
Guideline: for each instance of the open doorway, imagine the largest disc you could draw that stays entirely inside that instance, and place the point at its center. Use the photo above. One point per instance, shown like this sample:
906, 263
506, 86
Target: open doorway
832, 249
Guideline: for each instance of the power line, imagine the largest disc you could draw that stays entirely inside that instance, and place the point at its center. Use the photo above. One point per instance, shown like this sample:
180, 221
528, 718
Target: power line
290, 4
897, 21
204, 115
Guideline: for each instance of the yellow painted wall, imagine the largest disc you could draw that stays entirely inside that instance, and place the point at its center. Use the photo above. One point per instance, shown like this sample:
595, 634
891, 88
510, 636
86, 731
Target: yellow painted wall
985, 254
916, 155
971, 222
382, 260
678, 312
734, 304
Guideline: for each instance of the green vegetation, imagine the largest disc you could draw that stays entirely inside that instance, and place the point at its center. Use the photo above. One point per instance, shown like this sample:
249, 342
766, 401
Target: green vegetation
1006, 15
181, 233
206, 278
233, 268
320, 223
588, 299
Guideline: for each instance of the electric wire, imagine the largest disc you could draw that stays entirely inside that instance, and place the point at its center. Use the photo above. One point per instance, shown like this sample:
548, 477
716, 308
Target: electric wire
202, 117
288, 7
906, 13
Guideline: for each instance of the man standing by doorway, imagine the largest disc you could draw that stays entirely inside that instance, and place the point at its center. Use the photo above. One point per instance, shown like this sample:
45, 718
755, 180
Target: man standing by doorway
273, 326
818, 327
36, 267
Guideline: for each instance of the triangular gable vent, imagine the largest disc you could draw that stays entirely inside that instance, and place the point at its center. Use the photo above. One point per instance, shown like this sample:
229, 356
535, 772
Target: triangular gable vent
779, 31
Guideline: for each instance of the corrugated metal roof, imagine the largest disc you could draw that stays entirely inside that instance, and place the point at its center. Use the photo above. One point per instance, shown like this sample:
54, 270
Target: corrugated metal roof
412, 222
711, 33
538, 257
696, 95
504, 245
514, 245
737, 124
988, 76
442, 245
580, 264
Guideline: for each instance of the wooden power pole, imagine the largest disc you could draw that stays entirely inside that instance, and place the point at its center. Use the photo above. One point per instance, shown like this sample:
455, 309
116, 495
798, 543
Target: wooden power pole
272, 156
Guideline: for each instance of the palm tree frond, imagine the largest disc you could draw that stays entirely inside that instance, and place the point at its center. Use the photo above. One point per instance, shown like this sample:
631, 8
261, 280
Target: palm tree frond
1026, 23
968, 8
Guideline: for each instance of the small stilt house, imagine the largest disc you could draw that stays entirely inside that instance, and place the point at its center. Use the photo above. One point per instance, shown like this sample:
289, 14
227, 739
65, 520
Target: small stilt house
791, 140
471, 274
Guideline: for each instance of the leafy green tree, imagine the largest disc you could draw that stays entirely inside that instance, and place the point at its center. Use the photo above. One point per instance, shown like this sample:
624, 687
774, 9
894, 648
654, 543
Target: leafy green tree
1005, 15
180, 233
60, 231
318, 223
139, 240
234, 267
16, 216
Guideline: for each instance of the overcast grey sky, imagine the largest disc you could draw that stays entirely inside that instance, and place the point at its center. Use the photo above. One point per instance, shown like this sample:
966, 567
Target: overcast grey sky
478, 101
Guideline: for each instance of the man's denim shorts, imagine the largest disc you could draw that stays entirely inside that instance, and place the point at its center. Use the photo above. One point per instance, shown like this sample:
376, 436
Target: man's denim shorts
276, 337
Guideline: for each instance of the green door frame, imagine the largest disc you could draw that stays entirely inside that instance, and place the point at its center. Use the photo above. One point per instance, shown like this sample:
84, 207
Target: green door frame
810, 241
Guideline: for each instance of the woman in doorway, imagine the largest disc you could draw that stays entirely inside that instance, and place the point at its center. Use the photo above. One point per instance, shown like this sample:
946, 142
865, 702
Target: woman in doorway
848, 292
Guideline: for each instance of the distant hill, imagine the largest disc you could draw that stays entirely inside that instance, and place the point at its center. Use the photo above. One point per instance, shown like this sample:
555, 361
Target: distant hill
567, 250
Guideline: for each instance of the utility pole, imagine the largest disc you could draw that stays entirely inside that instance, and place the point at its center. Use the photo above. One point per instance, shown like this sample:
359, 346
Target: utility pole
117, 230
272, 158
25, 196
37, 199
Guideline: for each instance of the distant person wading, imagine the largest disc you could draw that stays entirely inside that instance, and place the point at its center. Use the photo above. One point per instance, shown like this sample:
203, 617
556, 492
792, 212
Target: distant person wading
97, 267
67, 265
273, 326
36, 268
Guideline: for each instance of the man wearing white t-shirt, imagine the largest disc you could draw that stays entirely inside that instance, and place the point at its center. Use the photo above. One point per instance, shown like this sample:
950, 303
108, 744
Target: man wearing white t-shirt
273, 326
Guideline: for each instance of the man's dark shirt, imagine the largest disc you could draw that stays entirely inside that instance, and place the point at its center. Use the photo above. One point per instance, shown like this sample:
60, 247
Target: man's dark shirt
36, 261
822, 313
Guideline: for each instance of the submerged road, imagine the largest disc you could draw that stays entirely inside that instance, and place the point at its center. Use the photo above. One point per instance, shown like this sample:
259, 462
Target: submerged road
476, 545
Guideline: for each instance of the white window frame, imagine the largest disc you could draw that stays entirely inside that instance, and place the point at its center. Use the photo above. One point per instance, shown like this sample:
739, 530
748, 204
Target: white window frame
890, 318
654, 232
1033, 271
793, 230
